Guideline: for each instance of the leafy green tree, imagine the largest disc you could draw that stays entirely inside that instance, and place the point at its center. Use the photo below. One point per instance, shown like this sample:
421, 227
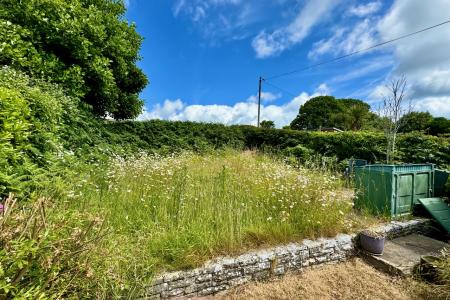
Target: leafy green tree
415, 121
356, 112
86, 46
267, 124
317, 112
374, 122
326, 111
440, 125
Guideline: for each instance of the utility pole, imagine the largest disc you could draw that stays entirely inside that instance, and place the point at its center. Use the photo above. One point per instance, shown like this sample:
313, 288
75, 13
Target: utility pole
259, 99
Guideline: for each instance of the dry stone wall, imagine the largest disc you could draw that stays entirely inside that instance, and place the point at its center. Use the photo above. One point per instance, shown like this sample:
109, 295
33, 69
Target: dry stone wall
224, 273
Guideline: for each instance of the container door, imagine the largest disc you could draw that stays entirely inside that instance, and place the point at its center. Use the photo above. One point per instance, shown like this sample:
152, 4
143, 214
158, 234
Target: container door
404, 193
440, 179
421, 186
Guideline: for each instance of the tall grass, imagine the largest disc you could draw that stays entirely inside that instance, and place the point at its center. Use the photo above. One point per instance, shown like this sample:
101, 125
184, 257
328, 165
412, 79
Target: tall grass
178, 211
173, 212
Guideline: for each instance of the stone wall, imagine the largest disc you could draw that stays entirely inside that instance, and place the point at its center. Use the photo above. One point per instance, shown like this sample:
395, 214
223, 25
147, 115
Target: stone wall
224, 273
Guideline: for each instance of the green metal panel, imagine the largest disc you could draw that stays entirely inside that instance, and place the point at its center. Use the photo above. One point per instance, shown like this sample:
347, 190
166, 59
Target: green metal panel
392, 189
404, 193
440, 179
374, 189
422, 186
352, 163
439, 210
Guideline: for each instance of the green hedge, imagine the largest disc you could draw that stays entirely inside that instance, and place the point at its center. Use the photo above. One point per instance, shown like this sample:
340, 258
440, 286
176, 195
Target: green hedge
172, 136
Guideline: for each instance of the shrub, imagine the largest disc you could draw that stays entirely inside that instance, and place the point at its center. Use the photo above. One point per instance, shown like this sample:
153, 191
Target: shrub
31, 116
302, 153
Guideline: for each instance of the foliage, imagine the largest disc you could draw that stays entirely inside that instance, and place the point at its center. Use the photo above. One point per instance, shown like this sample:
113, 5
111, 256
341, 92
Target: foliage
326, 111
439, 126
354, 114
84, 45
417, 148
167, 137
302, 153
267, 124
437, 277
316, 112
31, 115
45, 253
416, 121
424, 122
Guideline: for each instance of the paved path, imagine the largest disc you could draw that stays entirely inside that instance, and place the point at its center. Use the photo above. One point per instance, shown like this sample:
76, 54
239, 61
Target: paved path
400, 255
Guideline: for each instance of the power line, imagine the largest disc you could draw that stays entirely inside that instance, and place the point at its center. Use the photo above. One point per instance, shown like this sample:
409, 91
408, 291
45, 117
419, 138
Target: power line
280, 88
356, 52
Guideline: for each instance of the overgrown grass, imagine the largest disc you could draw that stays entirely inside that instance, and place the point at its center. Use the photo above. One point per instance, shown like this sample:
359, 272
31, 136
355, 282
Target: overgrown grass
174, 212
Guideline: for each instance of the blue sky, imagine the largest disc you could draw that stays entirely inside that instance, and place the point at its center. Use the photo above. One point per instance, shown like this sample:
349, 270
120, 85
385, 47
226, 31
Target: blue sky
203, 57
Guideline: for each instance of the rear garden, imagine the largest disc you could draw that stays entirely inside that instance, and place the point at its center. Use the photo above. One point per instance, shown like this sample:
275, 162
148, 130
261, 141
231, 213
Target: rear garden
122, 222
97, 209
126, 221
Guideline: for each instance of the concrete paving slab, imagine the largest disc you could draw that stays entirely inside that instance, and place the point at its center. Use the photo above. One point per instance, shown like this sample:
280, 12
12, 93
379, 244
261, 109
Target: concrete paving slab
402, 254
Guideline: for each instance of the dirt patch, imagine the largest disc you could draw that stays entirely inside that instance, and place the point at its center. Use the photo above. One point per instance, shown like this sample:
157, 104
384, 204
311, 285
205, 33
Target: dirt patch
350, 280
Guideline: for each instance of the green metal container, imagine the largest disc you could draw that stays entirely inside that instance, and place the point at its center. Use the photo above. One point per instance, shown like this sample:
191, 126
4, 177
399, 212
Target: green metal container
440, 179
392, 189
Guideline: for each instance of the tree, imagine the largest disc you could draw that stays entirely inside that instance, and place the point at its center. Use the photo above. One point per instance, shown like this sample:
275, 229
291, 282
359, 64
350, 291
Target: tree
316, 112
415, 121
394, 108
326, 111
375, 122
439, 125
86, 46
356, 111
267, 124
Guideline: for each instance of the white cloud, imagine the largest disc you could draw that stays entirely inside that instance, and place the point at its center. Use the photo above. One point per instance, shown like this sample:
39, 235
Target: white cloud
269, 44
219, 20
244, 112
323, 89
265, 97
362, 69
168, 110
196, 9
345, 40
423, 59
365, 9
437, 106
